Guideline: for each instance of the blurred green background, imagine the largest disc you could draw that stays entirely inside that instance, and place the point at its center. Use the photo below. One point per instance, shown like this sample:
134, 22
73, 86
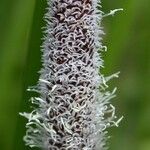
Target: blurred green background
128, 40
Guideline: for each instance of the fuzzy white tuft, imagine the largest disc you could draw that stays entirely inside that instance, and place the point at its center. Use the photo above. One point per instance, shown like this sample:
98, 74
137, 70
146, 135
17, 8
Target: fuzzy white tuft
73, 110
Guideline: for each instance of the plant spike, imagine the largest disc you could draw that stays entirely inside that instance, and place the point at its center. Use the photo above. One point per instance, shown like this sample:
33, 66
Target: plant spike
73, 110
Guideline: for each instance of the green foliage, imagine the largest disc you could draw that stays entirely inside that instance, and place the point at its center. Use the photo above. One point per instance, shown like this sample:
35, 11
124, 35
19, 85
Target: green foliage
128, 41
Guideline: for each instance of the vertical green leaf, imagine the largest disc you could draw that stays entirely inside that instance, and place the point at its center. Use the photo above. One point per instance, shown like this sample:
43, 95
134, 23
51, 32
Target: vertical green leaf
16, 21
